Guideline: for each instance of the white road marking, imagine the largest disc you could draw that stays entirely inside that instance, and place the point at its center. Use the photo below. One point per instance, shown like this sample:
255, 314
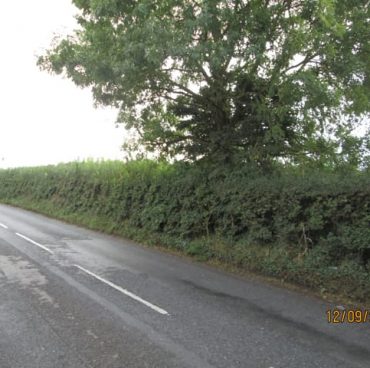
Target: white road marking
35, 243
4, 226
124, 291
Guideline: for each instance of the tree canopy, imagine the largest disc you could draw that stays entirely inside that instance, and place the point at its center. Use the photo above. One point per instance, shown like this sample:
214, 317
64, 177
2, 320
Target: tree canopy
253, 79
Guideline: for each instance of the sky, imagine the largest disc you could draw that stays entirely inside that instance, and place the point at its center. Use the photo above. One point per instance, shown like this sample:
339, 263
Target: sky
45, 119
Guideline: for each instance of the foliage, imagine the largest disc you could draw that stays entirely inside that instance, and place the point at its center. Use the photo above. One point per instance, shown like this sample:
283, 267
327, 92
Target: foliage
252, 79
312, 228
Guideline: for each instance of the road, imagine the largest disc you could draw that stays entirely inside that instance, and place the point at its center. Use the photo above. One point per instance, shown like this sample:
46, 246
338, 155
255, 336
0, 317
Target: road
71, 297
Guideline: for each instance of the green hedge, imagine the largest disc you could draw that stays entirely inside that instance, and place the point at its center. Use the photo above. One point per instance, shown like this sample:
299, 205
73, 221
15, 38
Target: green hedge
312, 229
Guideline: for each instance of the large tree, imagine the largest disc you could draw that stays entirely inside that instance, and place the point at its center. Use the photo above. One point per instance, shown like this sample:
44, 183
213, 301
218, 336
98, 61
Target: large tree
253, 79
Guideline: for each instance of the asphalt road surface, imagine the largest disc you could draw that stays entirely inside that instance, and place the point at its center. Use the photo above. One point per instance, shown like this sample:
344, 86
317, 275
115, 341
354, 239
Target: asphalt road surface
71, 298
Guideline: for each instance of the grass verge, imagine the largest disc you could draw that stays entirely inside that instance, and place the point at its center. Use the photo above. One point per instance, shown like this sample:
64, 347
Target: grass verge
279, 266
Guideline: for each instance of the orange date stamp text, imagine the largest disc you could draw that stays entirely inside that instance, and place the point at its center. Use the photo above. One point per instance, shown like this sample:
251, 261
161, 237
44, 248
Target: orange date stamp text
348, 316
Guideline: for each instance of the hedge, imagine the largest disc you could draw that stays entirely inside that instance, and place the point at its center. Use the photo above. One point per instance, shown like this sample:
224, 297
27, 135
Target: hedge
311, 229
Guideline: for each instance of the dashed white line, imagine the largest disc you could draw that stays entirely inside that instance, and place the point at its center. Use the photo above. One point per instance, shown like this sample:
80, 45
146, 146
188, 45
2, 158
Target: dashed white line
35, 243
4, 226
124, 291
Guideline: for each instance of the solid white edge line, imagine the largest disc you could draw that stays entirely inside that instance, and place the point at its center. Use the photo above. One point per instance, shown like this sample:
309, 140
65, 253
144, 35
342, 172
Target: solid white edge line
124, 291
4, 226
35, 243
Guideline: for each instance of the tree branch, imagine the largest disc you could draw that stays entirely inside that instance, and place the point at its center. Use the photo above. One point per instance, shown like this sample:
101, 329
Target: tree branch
303, 63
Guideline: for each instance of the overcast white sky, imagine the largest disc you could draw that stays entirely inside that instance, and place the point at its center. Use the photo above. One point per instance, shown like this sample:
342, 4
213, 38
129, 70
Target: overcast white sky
45, 119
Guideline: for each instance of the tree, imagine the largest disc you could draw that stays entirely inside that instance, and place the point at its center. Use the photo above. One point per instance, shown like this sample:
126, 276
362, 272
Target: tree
223, 79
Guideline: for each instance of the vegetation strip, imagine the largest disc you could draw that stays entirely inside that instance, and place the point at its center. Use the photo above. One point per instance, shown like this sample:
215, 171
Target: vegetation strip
311, 228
